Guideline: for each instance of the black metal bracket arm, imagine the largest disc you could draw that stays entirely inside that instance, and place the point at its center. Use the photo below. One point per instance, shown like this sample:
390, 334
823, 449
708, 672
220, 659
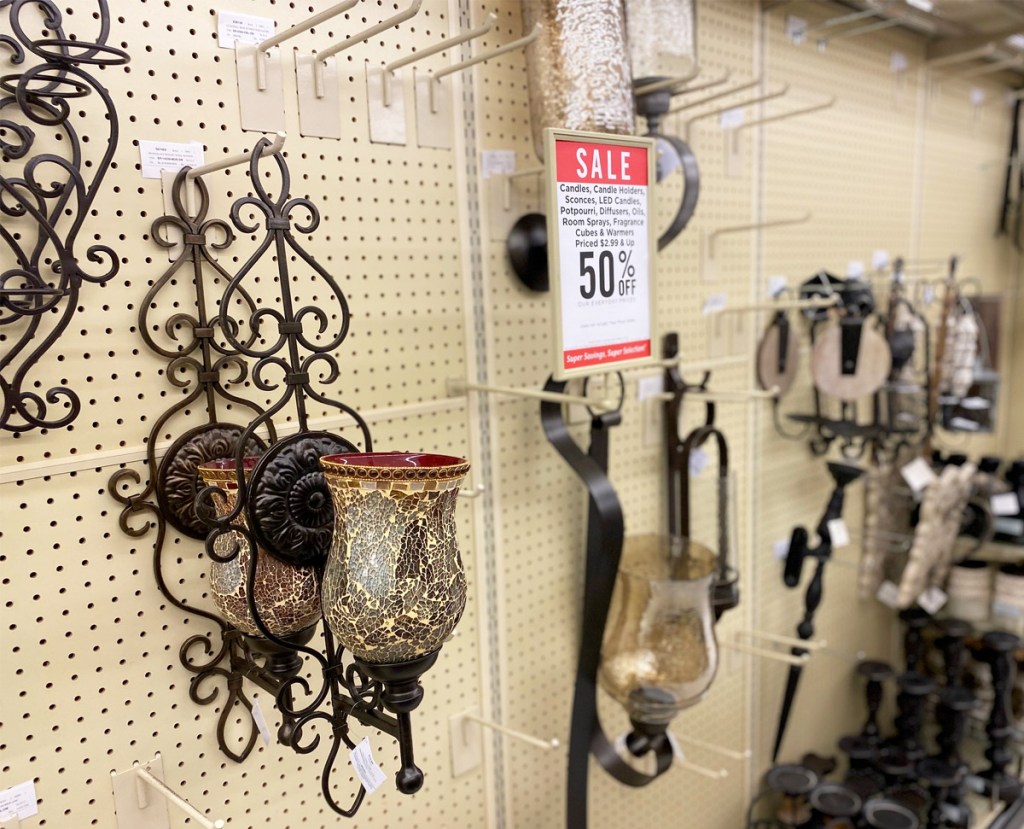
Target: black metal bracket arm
605, 535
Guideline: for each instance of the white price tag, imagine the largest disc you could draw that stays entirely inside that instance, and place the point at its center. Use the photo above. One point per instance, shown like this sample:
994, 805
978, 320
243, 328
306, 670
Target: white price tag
714, 304
366, 769
157, 156
796, 29
698, 461
20, 800
879, 259
497, 163
600, 250
235, 27
977, 96
1007, 609
839, 534
1008, 526
777, 284
854, 269
897, 62
932, 600
647, 387
261, 722
918, 474
928, 295
780, 549
1005, 503
888, 594
975, 404
731, 118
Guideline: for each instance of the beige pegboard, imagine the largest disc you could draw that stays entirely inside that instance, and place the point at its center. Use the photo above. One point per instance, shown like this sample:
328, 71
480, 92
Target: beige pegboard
92, 680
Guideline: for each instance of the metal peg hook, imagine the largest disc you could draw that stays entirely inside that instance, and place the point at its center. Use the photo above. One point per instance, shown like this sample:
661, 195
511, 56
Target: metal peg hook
722, 396
714, 234
289, 33
743, 87
732, 754
435, 77
457, 388
680, 757
275, 146
507, 184
473, 492
782, 116
323, 56
444, 45
742, 104
766, 653
133, 790
538, 742
668, 83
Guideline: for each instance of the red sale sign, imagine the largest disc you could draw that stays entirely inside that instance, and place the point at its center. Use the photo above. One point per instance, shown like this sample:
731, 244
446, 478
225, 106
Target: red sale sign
600, 249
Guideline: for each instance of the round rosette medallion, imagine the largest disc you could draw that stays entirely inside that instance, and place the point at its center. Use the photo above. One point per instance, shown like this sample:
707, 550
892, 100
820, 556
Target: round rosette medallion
288, 499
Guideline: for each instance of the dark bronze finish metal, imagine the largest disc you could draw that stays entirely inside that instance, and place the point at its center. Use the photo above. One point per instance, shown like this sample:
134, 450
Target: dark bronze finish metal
954, 648
875, 673
726, 594
843, 475
44, 208
916, 620
605, 533
911, 700
998, 649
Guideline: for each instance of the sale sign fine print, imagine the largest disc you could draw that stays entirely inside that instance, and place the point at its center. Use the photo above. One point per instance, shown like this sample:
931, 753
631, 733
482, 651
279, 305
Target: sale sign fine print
600, 250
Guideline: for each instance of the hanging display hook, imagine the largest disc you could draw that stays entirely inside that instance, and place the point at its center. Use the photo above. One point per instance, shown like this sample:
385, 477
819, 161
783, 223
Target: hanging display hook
263, 48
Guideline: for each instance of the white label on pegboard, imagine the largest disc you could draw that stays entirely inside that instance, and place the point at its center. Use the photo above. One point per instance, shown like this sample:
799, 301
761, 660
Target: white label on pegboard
879, 259
977, 96
796, 29
932, 600
157, 156
714, 304
647, 387
20, 800
497, 163
247, 29
367, 770
731, 118
1008, 526
780, 549
854, 269
777, 284
928, 295
1005, 503
888, 594
838, 532
1007, 609
261, 722
897, 62
918, 474
698, 461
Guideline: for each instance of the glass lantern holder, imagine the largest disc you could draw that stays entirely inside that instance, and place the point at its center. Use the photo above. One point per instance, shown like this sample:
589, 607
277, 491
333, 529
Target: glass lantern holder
281, 504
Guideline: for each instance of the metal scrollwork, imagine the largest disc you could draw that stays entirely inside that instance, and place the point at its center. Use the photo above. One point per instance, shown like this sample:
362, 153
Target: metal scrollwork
45, 199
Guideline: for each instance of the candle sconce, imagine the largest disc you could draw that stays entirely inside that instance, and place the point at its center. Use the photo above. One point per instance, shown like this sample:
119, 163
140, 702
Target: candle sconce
46, 194
285, 558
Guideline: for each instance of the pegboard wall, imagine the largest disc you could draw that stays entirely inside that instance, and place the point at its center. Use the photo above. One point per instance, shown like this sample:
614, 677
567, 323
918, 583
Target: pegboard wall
91, 676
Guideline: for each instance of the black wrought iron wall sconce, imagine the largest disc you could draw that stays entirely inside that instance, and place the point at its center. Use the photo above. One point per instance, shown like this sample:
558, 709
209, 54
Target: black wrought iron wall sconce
662, 580
46, 195
283, 558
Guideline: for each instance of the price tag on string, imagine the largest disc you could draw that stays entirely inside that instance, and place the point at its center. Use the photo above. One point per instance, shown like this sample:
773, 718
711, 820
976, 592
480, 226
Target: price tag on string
839, 534
261, 722
366, 768
932, 600
601, 250
731, 118
780, 549
889, 595
1005, 503
714, 304
879, 259
918, 474
777, 284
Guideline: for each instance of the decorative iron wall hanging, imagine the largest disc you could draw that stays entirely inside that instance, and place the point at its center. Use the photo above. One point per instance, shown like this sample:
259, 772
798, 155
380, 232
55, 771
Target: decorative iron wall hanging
266, 510
46, 193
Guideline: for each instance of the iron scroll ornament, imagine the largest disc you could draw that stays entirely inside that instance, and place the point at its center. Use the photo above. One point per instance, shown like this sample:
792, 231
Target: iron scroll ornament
44, 207
605, 535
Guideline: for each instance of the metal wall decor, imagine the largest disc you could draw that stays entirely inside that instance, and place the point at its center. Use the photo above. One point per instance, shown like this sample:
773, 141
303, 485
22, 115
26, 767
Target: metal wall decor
47, 189
268, 497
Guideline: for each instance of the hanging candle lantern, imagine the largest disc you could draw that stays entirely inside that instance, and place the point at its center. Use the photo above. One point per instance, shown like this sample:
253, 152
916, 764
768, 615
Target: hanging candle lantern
394, 587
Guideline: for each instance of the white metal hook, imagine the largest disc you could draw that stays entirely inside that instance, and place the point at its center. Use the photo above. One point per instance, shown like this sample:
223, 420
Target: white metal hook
689, 765
723, 78
722, 396
289, 33
742, 104
507, 186
274, 146
473, 492
444, 45
724, 93
457, 388
782, 116
714, 234
853, 17
779, 639
782, 305
766, 653
538, 742
710, 364
435, 77
857, 31
960, 57
732, 754
667, 83
132, 790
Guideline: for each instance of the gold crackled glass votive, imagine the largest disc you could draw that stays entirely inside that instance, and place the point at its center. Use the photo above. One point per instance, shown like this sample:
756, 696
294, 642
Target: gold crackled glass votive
286, 596
394, 586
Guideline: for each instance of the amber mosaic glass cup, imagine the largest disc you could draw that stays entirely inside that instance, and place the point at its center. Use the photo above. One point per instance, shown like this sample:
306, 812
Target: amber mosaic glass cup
394, 586
287, 597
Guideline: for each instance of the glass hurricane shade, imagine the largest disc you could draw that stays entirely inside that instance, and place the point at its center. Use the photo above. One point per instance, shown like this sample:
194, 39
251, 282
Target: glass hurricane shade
662, 37
287, 597
394, 586
659, 654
